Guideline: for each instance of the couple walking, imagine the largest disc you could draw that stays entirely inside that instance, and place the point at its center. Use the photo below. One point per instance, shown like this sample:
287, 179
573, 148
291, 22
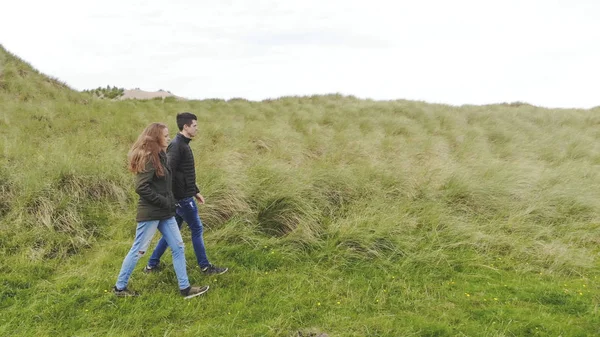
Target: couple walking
165, 180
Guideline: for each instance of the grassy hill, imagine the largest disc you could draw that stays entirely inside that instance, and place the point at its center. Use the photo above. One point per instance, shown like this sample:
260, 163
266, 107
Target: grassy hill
336, 216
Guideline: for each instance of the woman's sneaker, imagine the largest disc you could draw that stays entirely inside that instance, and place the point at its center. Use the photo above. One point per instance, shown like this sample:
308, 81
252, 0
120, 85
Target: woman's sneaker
190, 291
124, 292
214, 270
148, 269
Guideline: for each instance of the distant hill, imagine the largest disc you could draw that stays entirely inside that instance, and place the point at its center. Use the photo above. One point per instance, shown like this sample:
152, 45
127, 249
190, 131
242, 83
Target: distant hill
142, 94
115, 93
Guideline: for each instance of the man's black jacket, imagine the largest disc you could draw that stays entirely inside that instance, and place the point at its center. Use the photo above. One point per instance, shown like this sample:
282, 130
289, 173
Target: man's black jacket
181, 162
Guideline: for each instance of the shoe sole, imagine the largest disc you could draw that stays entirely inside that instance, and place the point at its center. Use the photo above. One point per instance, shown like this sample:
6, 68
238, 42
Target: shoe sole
126, 294
119, 295
197, 294
221, 273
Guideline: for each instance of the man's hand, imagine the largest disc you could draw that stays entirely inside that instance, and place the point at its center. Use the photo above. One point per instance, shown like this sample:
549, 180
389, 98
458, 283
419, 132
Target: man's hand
199, 198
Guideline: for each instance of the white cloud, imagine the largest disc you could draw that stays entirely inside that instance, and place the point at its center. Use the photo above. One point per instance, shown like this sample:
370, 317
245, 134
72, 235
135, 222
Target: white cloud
459, 52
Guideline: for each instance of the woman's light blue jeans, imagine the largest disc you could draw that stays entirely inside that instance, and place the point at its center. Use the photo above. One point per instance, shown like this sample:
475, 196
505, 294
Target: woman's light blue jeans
143, 235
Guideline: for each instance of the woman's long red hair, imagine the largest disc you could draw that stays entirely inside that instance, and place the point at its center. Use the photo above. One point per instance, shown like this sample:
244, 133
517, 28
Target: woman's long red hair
148, 145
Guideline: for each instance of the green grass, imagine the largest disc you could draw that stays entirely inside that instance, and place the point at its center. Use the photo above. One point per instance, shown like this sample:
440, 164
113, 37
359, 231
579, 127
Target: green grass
335, 215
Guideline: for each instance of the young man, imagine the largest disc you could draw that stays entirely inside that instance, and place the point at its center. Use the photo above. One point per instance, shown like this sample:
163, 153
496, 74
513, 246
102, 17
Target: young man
186, 193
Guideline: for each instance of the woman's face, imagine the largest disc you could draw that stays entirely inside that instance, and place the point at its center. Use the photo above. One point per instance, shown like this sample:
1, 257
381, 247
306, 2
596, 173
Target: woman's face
164, 140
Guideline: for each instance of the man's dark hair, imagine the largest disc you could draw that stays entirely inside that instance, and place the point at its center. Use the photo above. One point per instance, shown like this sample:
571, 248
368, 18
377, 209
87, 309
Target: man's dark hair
185, 118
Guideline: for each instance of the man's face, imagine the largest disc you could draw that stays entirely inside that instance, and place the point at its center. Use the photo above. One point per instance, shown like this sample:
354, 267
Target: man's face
191, 129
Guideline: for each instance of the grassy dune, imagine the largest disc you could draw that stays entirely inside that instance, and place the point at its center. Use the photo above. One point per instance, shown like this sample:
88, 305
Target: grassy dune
335, 215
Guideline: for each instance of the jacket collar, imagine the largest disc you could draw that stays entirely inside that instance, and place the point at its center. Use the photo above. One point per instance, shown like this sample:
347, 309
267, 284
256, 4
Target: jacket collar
184, 138
162, 155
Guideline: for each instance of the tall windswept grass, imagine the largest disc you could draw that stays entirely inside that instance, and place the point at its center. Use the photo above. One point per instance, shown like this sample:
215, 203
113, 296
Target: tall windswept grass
336, 215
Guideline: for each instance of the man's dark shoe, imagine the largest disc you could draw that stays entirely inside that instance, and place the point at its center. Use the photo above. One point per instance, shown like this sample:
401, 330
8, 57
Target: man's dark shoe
214, 270
149, 269
190, 291
124, 292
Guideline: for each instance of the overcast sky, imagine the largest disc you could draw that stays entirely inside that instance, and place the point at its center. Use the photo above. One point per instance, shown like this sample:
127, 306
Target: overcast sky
545, 52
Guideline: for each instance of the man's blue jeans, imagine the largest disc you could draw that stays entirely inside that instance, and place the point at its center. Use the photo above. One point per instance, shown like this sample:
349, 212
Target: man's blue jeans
187, 211
143, 235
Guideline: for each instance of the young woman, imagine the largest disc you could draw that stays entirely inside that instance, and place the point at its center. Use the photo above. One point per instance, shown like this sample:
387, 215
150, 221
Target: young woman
156, 208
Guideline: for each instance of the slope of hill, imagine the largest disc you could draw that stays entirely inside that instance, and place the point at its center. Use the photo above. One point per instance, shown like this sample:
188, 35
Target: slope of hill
20, 82
336, 216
